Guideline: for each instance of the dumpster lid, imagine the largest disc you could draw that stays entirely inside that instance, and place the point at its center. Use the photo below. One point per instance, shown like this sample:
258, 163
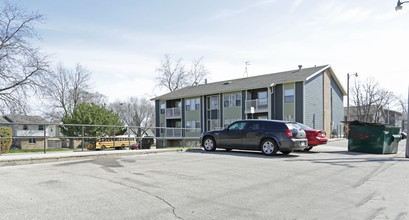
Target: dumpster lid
356, 122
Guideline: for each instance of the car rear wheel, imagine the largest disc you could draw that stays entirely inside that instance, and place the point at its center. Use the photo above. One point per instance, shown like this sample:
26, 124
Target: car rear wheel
123, 147
209, 144
269, 147
103, 147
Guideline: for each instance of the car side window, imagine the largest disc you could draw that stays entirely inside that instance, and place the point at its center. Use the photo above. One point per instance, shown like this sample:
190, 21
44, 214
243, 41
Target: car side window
254, 126
237, 126
272, 126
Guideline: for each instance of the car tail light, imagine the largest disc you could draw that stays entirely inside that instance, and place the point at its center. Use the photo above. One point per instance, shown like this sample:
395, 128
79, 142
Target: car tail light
323, 134
289, 133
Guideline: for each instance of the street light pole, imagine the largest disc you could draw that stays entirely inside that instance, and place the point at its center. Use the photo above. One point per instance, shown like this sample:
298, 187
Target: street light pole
399, 5
356, 75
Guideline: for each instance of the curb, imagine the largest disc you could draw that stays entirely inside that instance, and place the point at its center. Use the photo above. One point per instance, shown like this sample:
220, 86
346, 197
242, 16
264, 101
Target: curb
336, 139
16, 160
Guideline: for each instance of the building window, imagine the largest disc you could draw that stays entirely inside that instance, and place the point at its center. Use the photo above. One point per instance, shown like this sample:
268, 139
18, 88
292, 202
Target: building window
25, 127
231, 100
226, 100
193, 126
289, 95
262, 95
187, 104
214, 102
32, 140
289, 102
213, 112
197, 104
162, 108
238, 99
262, 99
192, 104
41, 127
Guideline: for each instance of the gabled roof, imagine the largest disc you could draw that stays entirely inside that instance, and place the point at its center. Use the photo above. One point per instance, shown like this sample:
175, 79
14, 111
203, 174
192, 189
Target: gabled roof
248, 83
24, 119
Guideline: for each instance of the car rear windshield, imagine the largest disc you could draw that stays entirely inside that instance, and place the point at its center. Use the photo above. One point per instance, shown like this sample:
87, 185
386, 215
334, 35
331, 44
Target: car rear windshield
292, 126
303, 126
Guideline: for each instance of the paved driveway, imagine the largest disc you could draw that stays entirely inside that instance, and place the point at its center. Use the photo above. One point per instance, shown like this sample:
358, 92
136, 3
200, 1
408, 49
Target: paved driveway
327, 183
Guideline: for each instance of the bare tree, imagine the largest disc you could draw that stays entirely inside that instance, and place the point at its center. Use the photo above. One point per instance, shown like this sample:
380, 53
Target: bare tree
21, 65
198, 71
403, 104
66, 88
173, 75
138, 113
370, 100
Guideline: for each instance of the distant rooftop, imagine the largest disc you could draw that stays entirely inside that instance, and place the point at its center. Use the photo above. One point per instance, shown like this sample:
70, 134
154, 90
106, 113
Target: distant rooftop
24, 119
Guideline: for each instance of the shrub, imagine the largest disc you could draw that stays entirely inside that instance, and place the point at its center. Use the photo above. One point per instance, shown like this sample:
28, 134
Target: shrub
5, 143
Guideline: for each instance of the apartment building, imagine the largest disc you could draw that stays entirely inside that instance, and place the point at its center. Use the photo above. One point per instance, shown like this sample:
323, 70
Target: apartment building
313, 96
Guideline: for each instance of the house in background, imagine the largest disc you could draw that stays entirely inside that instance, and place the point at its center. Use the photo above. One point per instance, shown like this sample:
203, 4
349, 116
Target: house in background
313, 96
376, 114
29, 132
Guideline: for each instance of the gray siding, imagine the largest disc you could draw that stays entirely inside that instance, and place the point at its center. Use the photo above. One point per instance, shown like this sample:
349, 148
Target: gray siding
202, 111
299, 102
221, 109
278, 102
243, 104
337, 106
314, 104
157, 117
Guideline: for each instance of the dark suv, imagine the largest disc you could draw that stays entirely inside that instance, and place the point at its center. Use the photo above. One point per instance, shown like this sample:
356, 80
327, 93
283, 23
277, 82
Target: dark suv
268, 136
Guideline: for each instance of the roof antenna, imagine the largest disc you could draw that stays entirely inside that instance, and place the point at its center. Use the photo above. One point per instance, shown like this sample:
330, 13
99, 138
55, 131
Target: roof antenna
246, 74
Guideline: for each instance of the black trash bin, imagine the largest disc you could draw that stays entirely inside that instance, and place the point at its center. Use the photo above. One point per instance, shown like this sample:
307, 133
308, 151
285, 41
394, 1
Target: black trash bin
146, 143
373, 138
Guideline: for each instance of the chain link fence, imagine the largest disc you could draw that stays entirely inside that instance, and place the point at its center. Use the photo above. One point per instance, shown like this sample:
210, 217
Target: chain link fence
95, 137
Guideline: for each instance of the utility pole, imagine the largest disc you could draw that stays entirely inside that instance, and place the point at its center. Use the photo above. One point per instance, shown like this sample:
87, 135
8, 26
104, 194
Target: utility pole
407, 129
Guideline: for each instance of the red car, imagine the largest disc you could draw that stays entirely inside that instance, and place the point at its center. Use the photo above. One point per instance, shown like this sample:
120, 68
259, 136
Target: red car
315, 137
134, 146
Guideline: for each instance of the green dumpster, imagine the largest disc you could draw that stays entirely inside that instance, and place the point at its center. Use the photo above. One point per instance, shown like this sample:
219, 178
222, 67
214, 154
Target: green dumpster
373, 138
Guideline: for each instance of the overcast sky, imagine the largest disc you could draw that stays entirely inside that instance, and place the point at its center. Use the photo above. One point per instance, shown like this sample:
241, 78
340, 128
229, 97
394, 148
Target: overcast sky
122, 42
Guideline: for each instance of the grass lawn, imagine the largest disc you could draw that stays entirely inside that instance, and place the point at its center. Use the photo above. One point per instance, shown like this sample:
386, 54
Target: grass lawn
40, 150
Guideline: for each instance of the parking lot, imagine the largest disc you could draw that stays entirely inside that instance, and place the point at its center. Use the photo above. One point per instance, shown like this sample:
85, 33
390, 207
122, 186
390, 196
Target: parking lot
327, 183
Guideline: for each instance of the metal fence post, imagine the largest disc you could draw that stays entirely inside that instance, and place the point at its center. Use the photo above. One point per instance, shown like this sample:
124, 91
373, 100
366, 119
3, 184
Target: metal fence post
407, 129
129, 137
45, 138
83, 138
114, 138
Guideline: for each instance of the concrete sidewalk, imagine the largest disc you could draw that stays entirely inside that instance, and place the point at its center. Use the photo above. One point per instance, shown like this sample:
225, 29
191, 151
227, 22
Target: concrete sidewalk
32, 158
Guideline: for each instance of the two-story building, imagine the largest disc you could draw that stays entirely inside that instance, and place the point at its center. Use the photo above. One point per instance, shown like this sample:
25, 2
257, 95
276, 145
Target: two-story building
313, 96
29, 131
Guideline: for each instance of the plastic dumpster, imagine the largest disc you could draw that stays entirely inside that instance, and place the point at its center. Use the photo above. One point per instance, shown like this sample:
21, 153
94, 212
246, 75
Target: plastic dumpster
373, 138
146, 143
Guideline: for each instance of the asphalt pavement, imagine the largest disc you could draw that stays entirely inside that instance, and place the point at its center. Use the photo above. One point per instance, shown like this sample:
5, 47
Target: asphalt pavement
326, 183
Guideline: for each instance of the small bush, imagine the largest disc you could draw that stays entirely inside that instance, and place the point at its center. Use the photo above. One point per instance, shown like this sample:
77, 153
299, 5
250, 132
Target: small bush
5, 143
